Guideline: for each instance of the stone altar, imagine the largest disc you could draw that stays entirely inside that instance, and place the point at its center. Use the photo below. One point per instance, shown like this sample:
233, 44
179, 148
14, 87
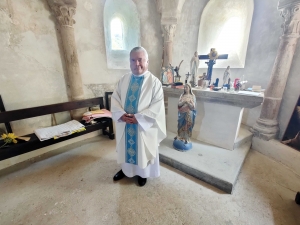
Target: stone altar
219, 115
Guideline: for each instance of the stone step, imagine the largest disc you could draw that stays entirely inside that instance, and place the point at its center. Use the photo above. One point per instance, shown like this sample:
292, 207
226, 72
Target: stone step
216, 166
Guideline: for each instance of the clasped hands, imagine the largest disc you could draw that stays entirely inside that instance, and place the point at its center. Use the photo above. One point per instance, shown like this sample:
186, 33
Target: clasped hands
129, 118
188, 102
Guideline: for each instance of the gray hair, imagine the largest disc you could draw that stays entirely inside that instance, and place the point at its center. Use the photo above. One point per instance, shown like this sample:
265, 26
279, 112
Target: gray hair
140, 49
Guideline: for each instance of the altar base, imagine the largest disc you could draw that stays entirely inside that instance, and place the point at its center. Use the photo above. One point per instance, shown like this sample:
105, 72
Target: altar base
219, 115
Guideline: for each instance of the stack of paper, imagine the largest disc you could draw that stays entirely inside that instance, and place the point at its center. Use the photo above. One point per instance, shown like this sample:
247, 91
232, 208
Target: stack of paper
59, 130
249, 93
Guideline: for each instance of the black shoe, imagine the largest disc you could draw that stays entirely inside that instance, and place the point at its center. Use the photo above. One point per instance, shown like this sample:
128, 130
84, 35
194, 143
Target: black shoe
142, 181
297, 199
119, 175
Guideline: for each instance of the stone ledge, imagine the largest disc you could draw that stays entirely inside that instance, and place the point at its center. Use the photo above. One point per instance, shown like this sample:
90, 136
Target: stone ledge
279, 152
226, 98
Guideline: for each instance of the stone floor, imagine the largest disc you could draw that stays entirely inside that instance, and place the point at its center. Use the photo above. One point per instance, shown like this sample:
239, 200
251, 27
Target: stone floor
76, 187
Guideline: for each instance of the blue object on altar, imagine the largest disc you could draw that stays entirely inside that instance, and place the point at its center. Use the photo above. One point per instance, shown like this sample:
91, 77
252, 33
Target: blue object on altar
216, 84
227, 85
181, 145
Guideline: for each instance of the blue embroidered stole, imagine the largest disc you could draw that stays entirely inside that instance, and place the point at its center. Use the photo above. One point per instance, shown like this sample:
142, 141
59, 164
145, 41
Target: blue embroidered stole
131, 130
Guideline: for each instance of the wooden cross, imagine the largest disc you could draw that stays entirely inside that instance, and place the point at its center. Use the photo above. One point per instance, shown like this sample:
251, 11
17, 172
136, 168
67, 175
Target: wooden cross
211, 63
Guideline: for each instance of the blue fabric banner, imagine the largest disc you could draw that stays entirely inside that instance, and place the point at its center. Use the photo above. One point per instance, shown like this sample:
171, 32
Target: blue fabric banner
131, 130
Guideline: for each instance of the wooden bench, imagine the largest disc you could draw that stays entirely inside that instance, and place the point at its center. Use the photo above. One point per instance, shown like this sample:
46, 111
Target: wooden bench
105, 124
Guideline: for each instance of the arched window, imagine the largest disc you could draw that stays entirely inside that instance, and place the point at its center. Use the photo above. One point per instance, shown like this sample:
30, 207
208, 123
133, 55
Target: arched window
121, 30
225, 26
117, 34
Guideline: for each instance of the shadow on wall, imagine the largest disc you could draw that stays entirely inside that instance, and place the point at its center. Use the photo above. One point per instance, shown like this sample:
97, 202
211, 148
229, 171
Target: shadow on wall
292, 133
199, 118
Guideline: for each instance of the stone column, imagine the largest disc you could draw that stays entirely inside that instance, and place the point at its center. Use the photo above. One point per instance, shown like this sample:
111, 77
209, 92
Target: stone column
65, 10
266, 126
168, 34
170, 13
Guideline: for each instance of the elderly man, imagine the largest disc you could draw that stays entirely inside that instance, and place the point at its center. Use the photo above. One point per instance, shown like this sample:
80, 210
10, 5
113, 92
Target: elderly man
137, 106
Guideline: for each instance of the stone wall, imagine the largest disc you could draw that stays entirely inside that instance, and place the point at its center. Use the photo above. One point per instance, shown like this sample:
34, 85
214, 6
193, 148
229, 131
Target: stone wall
32, 66
262, 49
31, 69
186, 36
89, 34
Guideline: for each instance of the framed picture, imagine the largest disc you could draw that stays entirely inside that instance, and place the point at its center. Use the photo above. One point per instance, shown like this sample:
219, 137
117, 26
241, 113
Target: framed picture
167, 75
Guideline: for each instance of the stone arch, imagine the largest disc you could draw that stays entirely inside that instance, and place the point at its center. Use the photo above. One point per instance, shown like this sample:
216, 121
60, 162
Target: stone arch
225, 25
126, 11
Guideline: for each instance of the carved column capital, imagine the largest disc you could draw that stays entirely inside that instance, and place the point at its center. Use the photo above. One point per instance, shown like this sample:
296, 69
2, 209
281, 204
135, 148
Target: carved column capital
291, 15
64, 11
169, 32
64, 14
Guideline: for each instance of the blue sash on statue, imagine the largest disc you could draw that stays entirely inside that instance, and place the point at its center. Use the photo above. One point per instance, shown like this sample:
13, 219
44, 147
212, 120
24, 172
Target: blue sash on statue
131, 130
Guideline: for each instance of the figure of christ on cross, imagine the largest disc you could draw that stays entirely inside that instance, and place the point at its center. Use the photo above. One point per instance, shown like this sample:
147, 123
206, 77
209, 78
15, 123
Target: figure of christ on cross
213, 56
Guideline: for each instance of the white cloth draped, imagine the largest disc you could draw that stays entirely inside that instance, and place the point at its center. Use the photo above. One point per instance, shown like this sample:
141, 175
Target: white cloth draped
152, 170
151, 128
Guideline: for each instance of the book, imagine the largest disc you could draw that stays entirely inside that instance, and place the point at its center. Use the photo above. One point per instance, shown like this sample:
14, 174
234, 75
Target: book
58, 131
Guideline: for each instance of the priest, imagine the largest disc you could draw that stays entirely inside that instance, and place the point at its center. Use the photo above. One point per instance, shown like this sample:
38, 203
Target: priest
137, 107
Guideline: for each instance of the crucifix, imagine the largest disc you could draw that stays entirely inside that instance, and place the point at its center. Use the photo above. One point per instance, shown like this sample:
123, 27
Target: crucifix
187, 77
212, 56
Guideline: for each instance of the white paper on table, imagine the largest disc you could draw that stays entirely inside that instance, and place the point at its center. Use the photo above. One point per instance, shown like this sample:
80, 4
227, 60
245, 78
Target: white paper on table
58, 131
249, 93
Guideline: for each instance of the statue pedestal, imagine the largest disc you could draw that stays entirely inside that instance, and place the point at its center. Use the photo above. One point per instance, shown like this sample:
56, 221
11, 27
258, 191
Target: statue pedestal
219, 115
181, 146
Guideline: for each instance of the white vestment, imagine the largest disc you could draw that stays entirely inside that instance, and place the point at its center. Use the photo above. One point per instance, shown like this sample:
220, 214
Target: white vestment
151, 125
